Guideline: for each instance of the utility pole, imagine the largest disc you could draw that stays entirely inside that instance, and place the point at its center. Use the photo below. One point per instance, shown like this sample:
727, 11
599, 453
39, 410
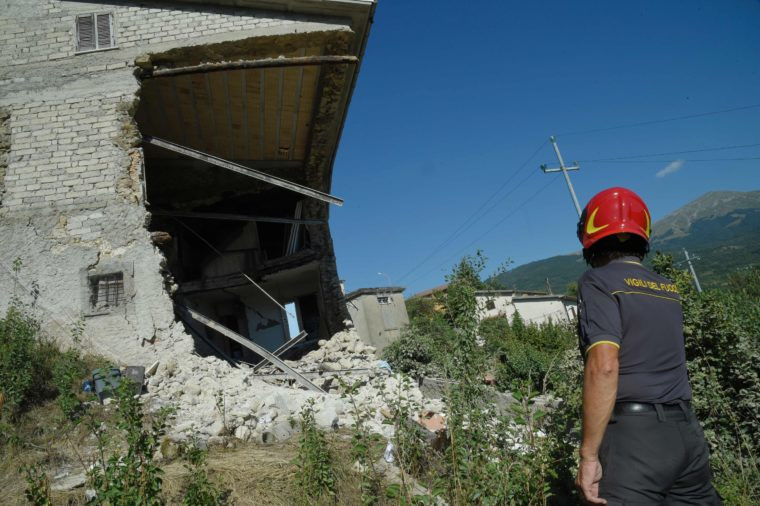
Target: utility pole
549, 287
691, 268
564, 170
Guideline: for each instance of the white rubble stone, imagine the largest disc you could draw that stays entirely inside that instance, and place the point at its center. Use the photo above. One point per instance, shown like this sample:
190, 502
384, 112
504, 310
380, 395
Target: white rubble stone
243, 433
261, 411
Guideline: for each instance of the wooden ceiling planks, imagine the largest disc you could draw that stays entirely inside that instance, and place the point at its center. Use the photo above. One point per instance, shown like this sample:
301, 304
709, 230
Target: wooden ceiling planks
204, 115
306, 110
271, 88
291, 91
253, 114
237, 114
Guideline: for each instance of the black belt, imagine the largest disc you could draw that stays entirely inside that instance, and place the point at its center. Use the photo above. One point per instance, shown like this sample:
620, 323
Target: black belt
627, 408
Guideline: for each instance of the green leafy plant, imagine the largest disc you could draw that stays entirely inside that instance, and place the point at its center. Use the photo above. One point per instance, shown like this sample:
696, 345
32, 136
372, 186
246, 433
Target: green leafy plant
19, 364
201, 491
37, 490
131, 477
66, 373
362, 444
315, 460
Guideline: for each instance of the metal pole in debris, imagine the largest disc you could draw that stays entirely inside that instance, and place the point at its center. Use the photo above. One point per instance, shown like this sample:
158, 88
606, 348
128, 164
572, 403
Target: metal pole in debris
282, 349
564, 170
691, 268
266, 354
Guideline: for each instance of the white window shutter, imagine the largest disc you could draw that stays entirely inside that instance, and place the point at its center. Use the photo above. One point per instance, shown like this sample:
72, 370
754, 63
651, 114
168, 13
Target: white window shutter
105, 37
85, 33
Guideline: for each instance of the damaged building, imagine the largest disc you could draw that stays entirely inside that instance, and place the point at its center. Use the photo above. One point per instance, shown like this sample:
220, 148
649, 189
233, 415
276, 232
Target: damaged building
164, 159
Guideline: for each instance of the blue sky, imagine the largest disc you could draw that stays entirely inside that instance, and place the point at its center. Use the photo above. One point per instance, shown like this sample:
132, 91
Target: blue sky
453, 99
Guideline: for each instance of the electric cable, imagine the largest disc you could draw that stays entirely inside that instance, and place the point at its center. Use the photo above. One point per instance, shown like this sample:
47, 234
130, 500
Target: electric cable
657, 121
473, 218
718, 148
669, 161
491, 229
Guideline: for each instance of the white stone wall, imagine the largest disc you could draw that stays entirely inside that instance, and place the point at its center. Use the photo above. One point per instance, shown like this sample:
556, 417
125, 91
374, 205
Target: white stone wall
33, 31
63, 151
532, 310
70, 195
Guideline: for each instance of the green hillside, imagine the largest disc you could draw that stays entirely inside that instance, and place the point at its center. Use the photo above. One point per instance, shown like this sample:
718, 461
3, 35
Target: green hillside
722, 228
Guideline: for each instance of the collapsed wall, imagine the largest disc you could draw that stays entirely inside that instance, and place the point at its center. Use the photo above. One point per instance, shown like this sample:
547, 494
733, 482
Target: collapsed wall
78, 242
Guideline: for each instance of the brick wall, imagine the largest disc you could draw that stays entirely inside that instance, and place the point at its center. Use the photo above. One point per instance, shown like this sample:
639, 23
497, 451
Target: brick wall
33, 31
64, 151
5, 145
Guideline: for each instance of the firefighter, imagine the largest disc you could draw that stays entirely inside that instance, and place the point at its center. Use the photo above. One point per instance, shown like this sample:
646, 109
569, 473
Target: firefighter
641, 443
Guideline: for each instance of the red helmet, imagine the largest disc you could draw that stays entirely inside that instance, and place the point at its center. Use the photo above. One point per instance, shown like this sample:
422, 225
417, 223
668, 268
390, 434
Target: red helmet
613, 211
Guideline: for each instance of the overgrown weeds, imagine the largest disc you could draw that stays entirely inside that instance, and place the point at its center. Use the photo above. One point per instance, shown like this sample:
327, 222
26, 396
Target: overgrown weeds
131, 477
201, 490
316, 472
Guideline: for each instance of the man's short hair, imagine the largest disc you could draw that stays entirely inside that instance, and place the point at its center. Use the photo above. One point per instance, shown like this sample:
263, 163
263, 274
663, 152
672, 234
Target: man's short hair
616, 246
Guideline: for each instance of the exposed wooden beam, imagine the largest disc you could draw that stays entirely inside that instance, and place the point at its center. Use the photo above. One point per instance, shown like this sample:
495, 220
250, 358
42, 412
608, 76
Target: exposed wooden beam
296, 61
241, 169
263, 352
235, 217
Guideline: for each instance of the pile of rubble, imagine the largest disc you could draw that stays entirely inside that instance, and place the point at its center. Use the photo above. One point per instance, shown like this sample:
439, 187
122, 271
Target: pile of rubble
212, 399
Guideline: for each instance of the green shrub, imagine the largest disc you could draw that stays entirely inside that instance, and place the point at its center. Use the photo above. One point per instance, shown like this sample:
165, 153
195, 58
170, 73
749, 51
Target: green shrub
19, 367
37, 490
201, 491
414, 353
722, 330
315, 461
131, 478
67, 371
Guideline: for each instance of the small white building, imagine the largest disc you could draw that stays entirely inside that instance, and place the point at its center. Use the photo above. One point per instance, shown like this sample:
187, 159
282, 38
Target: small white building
378, 314
533, 307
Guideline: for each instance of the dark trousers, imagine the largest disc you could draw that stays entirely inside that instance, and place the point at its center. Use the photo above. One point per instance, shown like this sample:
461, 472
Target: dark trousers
656, 456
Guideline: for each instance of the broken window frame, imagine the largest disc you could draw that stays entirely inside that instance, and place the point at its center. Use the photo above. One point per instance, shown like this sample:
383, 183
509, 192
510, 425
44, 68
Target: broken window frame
98, 45
384, 299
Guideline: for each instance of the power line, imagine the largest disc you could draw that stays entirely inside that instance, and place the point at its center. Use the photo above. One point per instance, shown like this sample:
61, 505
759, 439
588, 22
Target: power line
496, 225
718, 148
477, 215
664, 120
668, 161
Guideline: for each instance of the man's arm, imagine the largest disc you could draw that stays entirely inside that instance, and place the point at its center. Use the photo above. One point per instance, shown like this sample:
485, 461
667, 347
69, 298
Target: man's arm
600, 381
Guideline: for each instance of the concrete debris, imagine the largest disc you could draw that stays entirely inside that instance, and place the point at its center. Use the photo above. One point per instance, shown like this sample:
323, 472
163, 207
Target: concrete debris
66, 481
213, 400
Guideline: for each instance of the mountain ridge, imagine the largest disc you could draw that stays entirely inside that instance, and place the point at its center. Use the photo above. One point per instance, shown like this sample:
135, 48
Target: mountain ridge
722, 228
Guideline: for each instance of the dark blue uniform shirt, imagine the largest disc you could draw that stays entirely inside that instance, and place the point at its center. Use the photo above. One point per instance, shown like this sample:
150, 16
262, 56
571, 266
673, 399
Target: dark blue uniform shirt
628, 306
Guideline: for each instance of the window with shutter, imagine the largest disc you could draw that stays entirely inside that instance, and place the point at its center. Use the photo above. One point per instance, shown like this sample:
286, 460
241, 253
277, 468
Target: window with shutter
104, 31
85, 33
94, 31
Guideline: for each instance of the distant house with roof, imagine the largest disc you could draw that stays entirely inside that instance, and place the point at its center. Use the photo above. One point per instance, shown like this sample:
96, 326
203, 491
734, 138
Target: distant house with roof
378, 314
534, 307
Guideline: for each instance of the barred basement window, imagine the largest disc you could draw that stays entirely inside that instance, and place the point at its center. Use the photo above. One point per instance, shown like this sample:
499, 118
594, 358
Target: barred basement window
94, 32
490, 304
106, 291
